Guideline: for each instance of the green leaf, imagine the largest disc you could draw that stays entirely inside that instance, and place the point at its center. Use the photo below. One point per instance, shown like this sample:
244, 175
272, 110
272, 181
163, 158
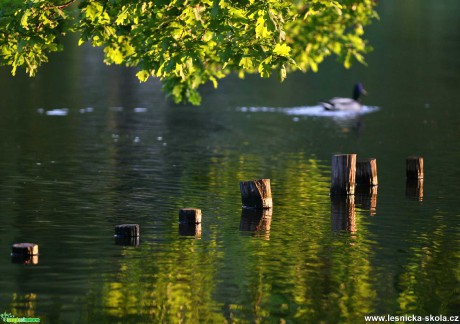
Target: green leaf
25, 18
265, 68
261, 29
282, 50
143, 75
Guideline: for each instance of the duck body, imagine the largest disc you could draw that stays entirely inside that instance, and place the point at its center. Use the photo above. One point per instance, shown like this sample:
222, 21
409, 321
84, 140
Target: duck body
341, 104
345, 104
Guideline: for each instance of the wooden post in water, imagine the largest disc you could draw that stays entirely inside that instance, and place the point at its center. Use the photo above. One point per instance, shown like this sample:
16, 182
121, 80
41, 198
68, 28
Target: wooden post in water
414, 167
343, 174
366, 172
127, 230
24, 253
190, 222
127, 234
366, 184
256, 194
189, 216
24, 249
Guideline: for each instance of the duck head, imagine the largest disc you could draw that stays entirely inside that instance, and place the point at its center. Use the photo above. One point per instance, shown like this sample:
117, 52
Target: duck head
358, 90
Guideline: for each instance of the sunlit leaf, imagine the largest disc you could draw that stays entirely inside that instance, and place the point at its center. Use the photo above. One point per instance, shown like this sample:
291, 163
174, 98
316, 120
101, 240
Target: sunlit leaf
282, 50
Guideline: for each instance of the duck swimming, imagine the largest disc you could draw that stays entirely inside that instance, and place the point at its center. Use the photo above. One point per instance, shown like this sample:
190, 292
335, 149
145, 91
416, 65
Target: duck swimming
346, 104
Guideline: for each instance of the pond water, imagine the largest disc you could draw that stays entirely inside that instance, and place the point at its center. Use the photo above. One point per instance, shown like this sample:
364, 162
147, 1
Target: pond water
85, 147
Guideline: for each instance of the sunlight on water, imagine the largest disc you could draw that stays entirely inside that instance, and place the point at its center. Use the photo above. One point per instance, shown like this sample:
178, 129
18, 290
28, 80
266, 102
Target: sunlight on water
54, 112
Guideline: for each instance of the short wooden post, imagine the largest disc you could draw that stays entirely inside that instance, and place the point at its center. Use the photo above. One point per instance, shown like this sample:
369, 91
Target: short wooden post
343, 174
343, 216
414, 167
24, 253
24, 249
366, 172
256, 194
189, 216
127, 230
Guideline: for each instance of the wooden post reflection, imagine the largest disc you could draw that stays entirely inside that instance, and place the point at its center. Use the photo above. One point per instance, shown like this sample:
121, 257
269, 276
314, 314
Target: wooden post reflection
257, 221
24, 259
366, 198
343, 213
127, 240
190, 229
414, 188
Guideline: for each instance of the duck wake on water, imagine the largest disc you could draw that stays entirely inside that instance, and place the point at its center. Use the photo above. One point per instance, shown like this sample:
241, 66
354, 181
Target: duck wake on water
336, 108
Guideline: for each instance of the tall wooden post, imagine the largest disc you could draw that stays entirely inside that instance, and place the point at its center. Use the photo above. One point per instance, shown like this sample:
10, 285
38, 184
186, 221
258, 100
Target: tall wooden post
343, 174
256, 194
414, 167
366, 172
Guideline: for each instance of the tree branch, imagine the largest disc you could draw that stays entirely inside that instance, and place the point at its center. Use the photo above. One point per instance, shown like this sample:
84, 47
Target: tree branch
62, 6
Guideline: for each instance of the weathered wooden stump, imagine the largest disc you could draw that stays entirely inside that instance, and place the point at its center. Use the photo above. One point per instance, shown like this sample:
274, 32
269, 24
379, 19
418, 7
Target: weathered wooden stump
24, 249
414, 167
366, 172
343, 216
189, 216
256, 194
343, 174
414, 189
24, 253
127, 230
